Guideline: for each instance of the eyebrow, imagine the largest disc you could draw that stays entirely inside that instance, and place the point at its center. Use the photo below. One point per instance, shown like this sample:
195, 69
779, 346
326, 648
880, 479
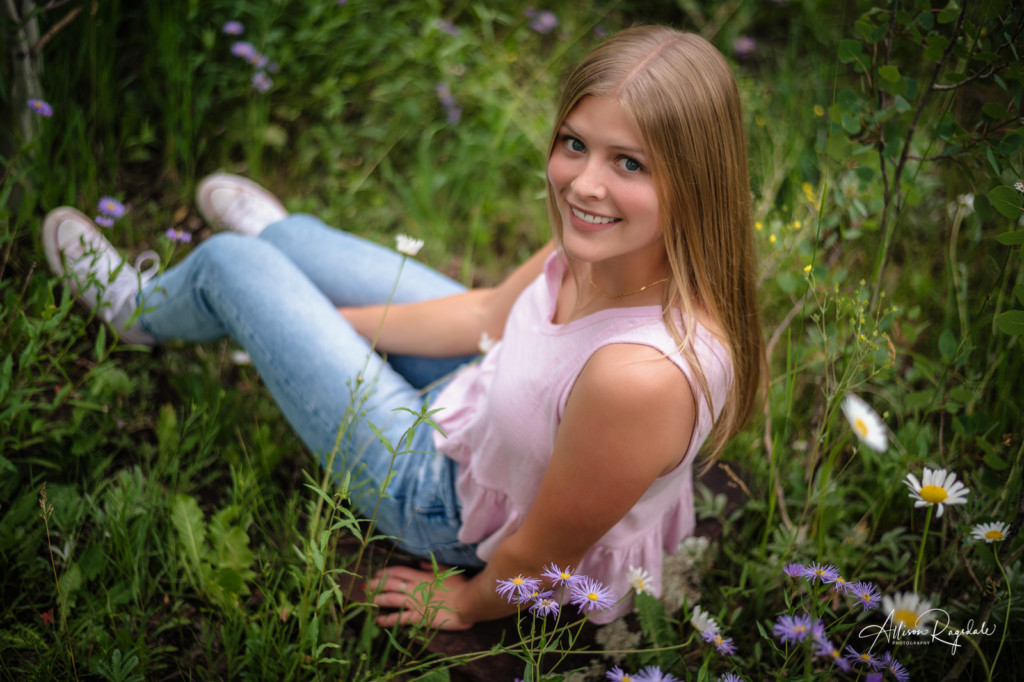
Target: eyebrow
628, 150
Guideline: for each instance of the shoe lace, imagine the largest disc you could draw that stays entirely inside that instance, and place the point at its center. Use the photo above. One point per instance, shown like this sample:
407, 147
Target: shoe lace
126, 282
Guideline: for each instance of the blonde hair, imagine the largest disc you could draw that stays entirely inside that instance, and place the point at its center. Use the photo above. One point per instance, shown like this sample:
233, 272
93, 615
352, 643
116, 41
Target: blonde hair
681, 97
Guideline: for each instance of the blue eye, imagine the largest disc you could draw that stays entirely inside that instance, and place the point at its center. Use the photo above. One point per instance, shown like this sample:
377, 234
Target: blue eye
574, 144
631, 165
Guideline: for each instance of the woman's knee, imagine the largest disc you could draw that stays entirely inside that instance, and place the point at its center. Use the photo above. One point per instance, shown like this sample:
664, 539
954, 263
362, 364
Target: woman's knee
227, 252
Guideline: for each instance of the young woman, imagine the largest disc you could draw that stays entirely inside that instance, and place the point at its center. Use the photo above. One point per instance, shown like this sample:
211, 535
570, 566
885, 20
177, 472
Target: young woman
624, 347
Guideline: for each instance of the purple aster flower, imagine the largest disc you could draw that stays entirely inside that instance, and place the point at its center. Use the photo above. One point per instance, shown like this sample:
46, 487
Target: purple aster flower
453, 114
544, 22
865, 659
563, 577
744, 47
795, 570
652, 673
818, 631
273, 67
826, 574
873, 677
544, 606
518, 589
866, 593
448, 27
261, 81
895, 667
103, 221
40, 107
444, 93
243, 49
723, 645
590, 595
792, 628
730, 677
616, 674
840, 585
180, 236
828, 650
233, 28
111, 207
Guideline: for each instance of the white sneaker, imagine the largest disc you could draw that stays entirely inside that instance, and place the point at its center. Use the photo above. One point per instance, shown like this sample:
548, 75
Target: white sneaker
238, 203
99, 277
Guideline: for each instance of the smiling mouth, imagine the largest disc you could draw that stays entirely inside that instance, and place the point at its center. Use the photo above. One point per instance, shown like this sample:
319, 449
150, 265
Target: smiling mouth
592, 219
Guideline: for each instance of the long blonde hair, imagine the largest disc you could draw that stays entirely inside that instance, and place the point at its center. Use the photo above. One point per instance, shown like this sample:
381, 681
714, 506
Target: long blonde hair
681, 97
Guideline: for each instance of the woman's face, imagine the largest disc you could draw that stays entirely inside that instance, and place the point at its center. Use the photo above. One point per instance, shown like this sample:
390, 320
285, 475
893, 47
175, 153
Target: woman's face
604, 190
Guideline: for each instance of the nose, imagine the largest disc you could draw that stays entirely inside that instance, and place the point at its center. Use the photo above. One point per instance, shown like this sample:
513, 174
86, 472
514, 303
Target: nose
589, 183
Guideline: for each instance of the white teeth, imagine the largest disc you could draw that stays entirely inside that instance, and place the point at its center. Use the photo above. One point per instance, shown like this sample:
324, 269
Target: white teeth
587, 218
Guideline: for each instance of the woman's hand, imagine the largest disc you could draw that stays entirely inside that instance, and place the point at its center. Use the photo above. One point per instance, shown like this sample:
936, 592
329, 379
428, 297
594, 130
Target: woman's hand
418, 597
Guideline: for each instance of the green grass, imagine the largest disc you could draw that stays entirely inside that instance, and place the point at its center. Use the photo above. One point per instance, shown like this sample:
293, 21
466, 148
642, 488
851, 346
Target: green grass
185, 531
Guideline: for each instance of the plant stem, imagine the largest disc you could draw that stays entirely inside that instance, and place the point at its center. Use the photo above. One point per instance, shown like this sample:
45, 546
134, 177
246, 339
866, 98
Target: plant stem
920, 552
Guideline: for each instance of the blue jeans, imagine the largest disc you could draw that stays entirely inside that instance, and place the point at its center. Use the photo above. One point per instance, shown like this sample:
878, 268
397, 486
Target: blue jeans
276, 295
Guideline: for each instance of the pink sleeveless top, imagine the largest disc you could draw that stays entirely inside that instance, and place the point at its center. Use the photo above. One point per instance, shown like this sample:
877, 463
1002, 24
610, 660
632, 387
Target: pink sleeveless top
500, 417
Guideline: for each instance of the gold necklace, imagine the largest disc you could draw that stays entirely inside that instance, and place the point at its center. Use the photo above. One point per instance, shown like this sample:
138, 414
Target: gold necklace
628, 293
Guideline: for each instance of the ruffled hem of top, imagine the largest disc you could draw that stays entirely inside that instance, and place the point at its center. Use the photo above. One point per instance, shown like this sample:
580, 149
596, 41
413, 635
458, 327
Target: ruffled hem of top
608, 564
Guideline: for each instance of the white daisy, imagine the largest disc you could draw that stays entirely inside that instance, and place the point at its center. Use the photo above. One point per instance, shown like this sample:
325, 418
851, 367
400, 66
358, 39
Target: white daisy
990, 532
865, 422
640, 579
408, 245
936, 488
908, 609
702, 621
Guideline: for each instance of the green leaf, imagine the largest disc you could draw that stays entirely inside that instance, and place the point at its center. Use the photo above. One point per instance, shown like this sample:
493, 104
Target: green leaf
187, 519
1018, 292
850, 51
937, 44
1009, 144
949, 14
653, 620
889, 72
99, 346
994, 461
1006, 200
851, 124
947, 344
1011, 322
995, 111
1011, 238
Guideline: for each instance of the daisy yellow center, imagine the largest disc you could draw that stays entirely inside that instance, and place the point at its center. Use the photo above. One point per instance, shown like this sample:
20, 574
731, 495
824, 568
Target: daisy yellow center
518, 581
934, 494
865, 657
907, 619
835, 653
592, 596
564, 576
994, 535
860, 427
800, 628
718, 639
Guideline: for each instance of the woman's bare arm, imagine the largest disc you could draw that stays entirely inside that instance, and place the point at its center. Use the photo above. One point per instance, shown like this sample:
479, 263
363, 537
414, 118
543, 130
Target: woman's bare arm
449, 326
628, 420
